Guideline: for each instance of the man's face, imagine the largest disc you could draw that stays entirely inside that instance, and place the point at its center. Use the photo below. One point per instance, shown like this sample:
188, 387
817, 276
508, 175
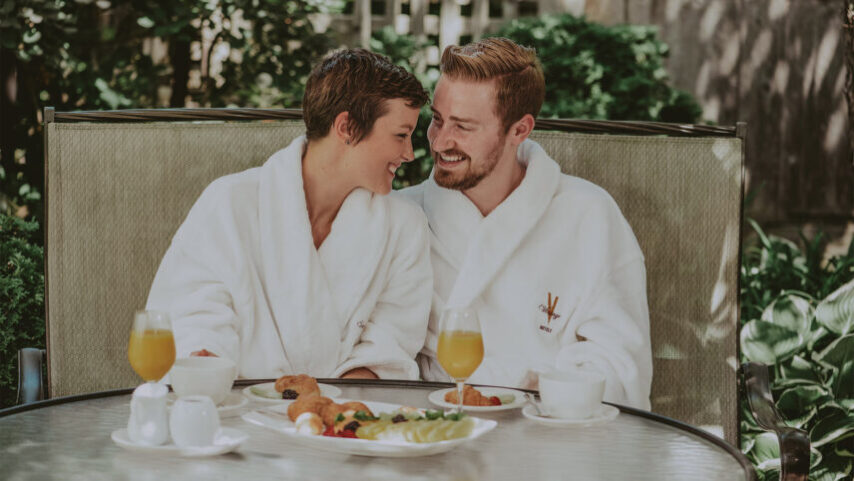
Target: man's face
466, 136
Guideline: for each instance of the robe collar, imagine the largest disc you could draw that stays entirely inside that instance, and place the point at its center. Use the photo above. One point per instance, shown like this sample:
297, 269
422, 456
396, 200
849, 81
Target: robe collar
309, 307
476, 246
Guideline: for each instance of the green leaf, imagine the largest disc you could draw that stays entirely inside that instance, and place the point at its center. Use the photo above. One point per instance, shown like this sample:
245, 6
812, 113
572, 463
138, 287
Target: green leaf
790, 311
799, 369
832, 429
31, 36
766, 451
836, 311
839, 356
768, 343
145, 22
799, 404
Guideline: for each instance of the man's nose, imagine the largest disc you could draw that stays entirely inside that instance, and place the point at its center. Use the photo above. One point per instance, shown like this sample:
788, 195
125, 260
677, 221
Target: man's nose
441, 141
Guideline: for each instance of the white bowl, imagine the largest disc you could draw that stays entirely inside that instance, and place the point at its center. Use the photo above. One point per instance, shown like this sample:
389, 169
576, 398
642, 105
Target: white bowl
203, 376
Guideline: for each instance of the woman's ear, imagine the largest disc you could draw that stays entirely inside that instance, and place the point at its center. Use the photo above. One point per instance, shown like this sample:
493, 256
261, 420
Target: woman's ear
341, 127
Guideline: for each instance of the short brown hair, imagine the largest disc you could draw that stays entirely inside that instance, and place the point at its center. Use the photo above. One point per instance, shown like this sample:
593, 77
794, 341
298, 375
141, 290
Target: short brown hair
358, 82
520, 84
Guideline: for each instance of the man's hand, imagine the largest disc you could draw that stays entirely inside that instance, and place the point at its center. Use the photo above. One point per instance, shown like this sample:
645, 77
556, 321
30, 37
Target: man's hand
359, 373
203, 353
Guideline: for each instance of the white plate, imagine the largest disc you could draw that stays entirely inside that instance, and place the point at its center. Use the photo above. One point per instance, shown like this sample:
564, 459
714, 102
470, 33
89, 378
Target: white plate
604, 414
274, 396
227, 440
438, 398
363, 447
229, 406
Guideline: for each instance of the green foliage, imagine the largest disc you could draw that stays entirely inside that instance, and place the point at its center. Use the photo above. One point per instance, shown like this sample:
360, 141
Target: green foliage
96, 55
797, 312
21, 298
594, 71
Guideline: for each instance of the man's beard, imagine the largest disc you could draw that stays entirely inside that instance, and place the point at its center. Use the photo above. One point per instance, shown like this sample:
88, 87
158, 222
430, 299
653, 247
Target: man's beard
470, 177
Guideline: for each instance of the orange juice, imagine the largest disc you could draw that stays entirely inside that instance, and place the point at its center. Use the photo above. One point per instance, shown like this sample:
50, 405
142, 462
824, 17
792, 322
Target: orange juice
460, 352
151, 353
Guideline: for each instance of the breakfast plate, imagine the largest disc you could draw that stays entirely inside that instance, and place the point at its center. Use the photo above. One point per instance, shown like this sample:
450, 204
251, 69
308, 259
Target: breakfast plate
605, 413
226, 441
514, 399
276, 419
266, 392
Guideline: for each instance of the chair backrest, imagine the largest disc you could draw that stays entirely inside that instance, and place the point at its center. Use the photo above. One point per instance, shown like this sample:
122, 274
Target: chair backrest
117, 192
682, 196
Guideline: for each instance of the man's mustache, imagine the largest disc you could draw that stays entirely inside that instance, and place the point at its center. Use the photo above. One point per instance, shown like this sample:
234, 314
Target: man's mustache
450, 153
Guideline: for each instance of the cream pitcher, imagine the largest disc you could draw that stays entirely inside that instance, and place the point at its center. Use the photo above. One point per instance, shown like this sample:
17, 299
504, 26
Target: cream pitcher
148, 423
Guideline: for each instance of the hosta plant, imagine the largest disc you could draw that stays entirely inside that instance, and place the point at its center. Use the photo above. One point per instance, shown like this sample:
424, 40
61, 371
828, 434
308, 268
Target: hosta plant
798, 318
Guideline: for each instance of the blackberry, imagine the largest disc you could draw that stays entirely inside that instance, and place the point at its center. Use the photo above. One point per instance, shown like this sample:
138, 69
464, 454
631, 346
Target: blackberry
289, 394
352, 426
399, 419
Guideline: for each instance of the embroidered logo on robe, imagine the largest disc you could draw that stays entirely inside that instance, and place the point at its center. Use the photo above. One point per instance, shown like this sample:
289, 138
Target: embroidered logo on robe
549, 311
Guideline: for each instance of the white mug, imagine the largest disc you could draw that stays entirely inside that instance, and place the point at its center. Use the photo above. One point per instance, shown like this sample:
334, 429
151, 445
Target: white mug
571, 394
148, 420
194, 421
203, 376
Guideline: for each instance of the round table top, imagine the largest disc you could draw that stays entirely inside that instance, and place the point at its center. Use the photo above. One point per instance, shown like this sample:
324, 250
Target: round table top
70, 439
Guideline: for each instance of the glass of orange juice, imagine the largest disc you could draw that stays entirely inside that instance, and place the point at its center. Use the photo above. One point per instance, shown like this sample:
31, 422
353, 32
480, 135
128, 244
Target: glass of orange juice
151, 350
460, 349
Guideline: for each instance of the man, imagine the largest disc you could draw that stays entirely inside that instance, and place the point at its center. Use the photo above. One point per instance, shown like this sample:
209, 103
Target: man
548, 261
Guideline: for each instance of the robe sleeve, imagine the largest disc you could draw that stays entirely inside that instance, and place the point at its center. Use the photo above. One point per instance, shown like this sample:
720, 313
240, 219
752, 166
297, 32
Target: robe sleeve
396, 329
610, 334
191, 289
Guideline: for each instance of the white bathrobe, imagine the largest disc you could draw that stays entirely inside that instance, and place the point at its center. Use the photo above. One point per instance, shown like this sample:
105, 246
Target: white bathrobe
243, 279
555, 234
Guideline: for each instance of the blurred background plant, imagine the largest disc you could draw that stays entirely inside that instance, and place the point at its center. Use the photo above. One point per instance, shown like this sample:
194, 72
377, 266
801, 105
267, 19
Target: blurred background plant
21, 298
797, 314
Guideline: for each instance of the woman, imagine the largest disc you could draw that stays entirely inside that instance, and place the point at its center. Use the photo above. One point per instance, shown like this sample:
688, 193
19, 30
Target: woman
305, 265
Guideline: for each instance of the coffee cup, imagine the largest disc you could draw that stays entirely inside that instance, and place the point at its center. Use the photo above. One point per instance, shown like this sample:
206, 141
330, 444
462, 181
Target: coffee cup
194, 421
203, 376
147, 423
571, 394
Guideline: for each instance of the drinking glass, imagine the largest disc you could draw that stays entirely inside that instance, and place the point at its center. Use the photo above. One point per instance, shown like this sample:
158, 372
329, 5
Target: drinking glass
460, 349
151, 350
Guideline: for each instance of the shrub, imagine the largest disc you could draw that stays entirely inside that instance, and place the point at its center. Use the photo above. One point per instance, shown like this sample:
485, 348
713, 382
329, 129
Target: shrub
21, 298
599, 72
798, 316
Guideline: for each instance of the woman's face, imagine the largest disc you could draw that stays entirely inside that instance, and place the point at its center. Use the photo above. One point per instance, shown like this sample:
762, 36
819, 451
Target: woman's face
388, 145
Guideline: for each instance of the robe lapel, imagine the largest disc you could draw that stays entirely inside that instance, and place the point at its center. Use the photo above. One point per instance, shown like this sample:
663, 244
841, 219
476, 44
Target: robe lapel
351, 252
454, 220
295, 282
502, 231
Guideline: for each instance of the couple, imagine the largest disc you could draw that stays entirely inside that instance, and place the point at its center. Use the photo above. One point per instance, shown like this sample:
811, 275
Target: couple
306, 265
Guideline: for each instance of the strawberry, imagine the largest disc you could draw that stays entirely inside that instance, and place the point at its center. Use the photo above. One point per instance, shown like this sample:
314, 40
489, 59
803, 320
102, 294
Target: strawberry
494, 401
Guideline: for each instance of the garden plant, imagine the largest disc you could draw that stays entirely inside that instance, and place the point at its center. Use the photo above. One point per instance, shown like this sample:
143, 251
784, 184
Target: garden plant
797, 313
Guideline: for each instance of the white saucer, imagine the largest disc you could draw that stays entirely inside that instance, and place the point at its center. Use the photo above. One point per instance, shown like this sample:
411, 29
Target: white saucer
226, 441
604, 414
229, 406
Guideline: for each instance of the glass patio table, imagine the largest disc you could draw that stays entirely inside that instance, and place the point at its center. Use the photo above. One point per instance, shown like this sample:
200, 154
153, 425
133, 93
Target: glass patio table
69, 438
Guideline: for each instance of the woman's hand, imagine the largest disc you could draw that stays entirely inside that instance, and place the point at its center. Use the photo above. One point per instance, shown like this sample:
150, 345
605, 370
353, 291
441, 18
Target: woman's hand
359, 373
203, 353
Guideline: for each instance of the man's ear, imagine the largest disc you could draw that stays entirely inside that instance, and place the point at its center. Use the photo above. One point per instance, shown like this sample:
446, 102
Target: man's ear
521, 129
341, 127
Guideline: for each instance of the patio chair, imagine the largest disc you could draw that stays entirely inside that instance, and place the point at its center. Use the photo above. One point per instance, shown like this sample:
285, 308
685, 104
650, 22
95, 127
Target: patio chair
120, 183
